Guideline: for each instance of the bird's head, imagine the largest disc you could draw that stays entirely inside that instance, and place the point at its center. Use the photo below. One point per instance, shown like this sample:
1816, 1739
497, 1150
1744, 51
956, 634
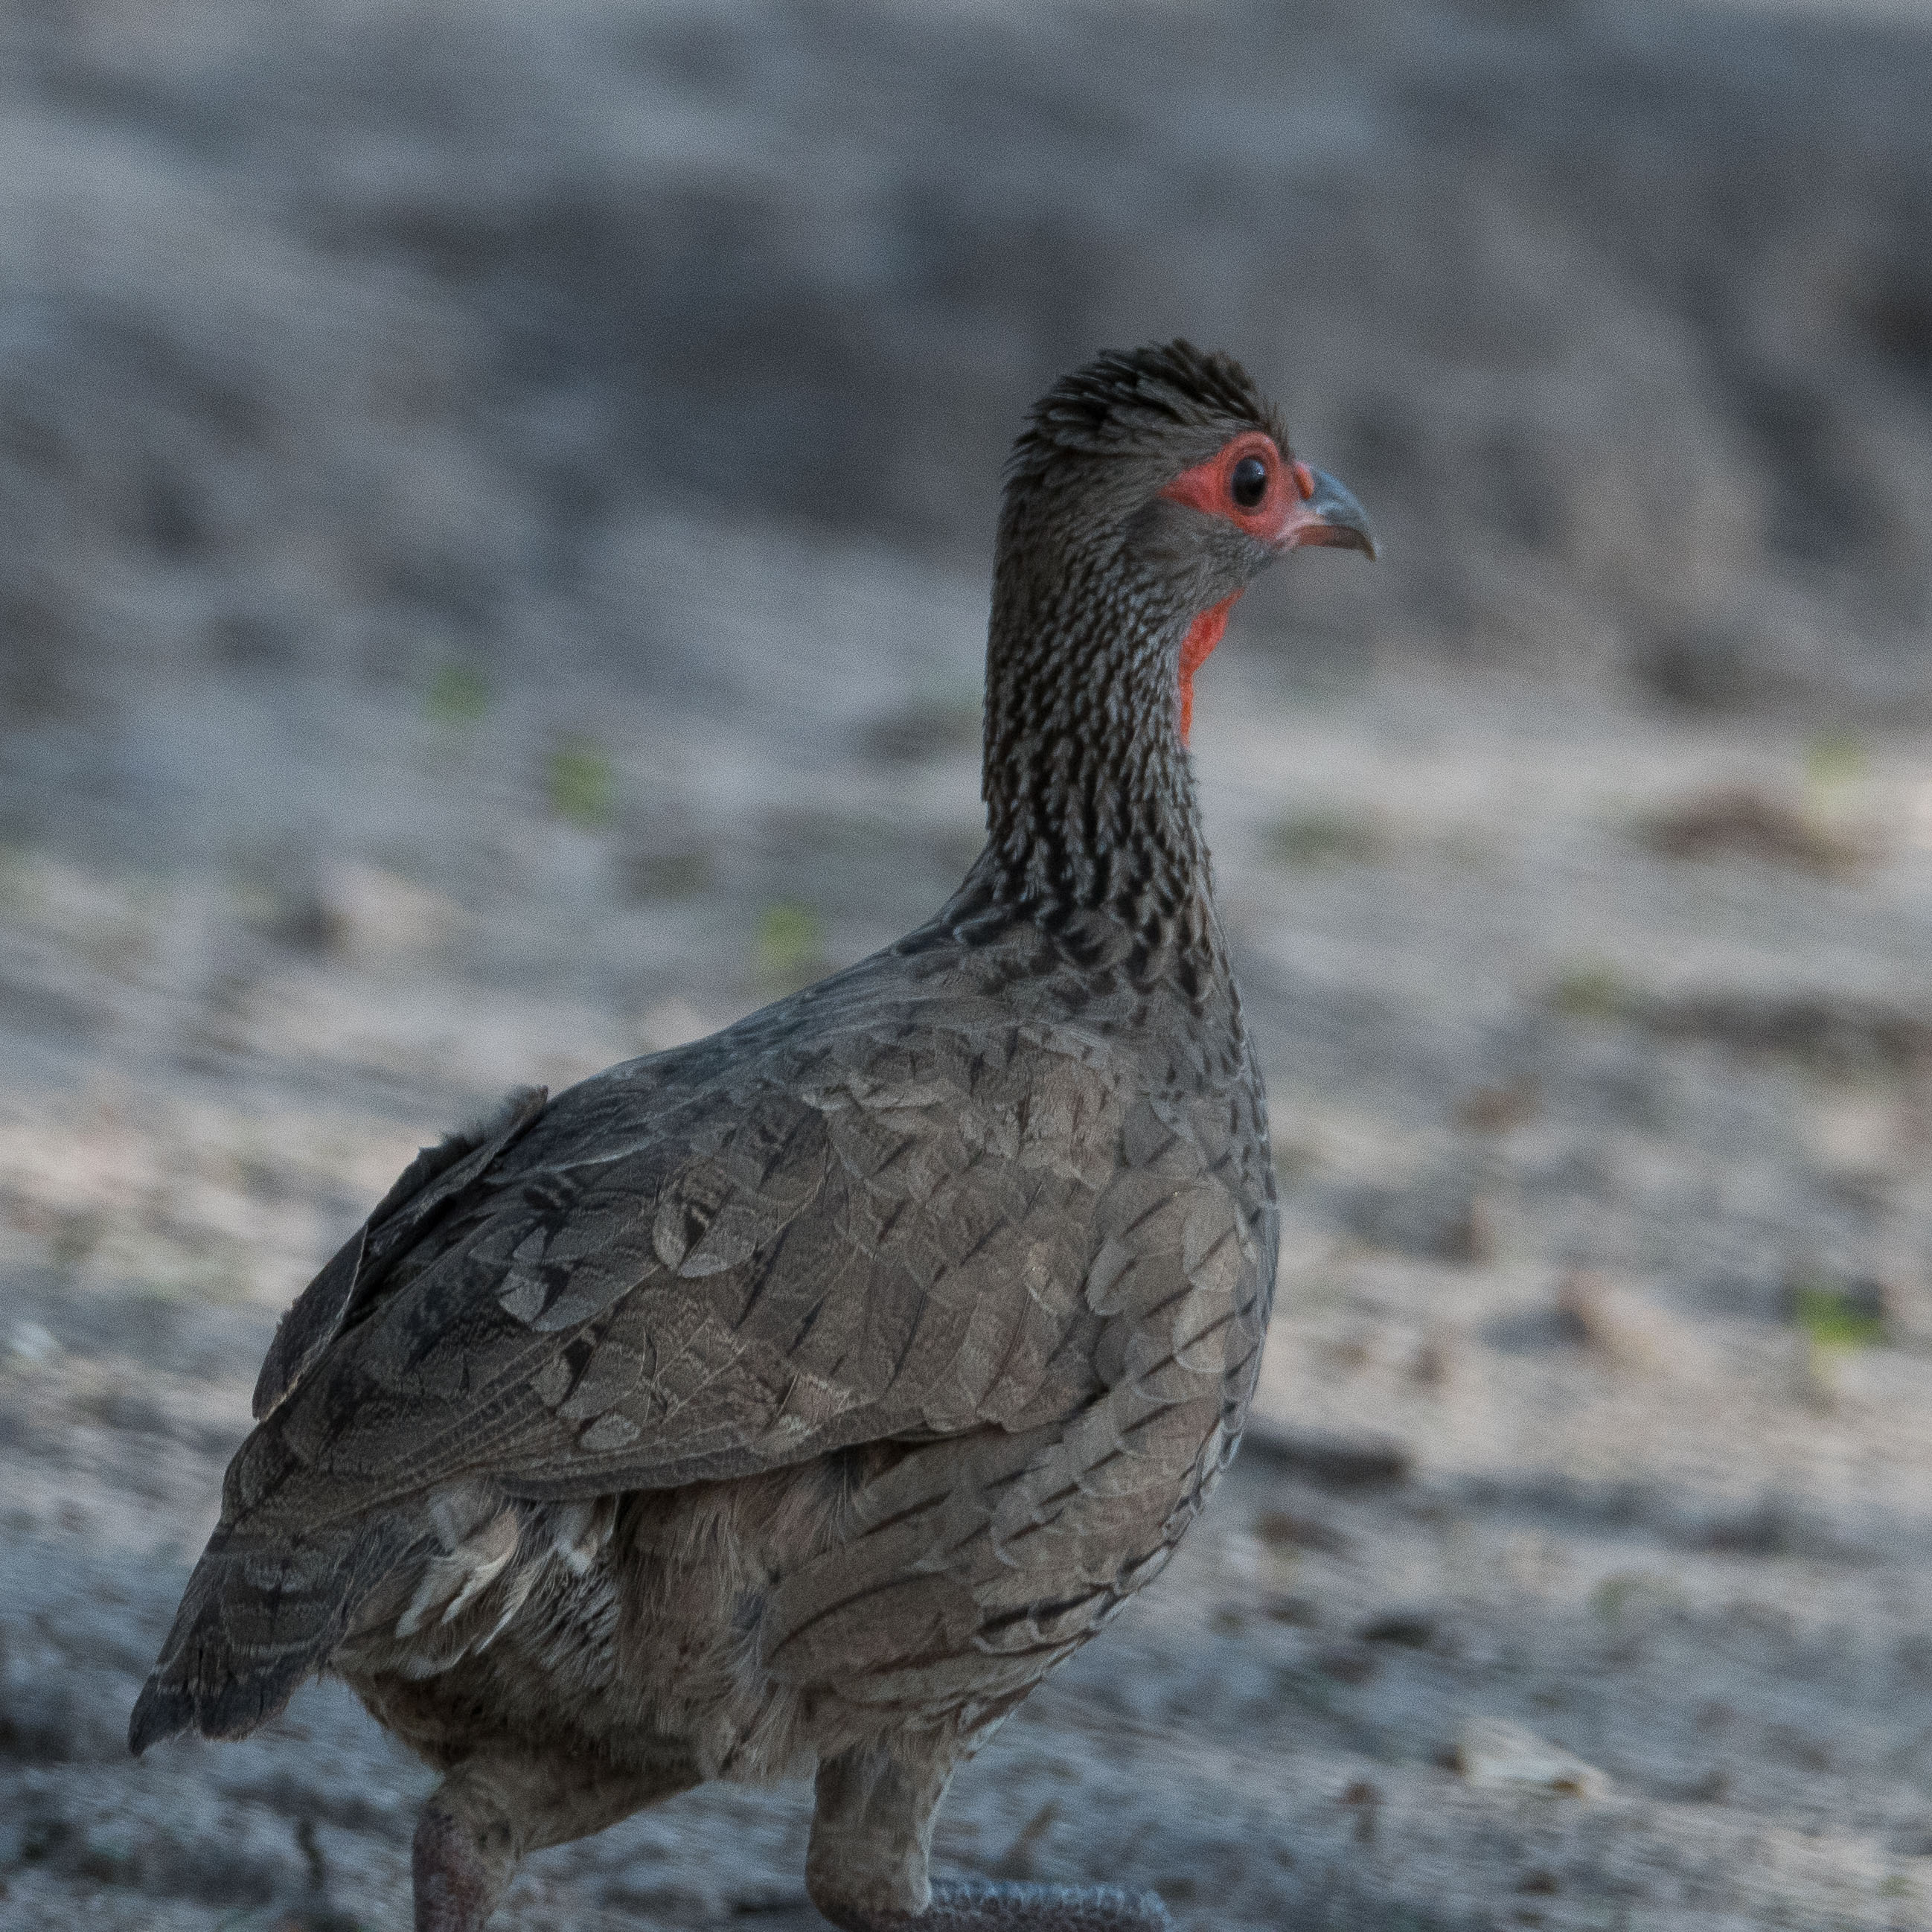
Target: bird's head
1158, 480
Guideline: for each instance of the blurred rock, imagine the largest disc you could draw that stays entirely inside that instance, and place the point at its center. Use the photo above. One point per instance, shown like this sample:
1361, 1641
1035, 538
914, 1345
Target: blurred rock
1616, 1324
1413, 1630
1495, 1110
1836, 1031
1335, 1462
361, 912
1776, 1525
1290, 1529
1439, 1216
1434, 1365
1493, 1752
1291, 1607
1703, 668
1742, 821
1348, 1662
49, 1715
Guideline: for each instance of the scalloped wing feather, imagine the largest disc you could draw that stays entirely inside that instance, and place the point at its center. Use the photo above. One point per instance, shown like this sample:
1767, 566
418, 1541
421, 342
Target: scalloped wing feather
892, 1240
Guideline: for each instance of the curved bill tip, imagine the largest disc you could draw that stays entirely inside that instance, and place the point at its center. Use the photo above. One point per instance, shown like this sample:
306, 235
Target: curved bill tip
1332, 517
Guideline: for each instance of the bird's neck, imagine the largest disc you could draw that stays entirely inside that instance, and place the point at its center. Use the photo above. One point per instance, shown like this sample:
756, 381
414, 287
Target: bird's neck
1090, 793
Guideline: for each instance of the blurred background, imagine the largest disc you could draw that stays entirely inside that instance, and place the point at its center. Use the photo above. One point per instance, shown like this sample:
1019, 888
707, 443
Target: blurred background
496, 507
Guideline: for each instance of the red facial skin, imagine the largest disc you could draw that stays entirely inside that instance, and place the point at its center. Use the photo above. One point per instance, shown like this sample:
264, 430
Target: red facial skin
1279, 519
1203, 634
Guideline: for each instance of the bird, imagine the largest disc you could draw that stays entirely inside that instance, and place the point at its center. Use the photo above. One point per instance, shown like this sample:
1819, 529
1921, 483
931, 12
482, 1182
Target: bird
795, 1400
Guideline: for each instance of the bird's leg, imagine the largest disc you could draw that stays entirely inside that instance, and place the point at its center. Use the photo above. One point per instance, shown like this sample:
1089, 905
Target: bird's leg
488, 1812
871, 1837
462, 1859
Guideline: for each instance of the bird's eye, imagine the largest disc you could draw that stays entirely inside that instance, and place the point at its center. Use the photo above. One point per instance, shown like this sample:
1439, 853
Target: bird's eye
1249, 483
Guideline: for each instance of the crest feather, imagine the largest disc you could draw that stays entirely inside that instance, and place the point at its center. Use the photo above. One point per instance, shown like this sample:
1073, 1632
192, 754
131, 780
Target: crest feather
1129, 397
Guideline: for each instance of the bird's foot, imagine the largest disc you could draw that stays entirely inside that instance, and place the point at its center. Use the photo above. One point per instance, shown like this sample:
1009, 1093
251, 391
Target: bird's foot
970, 1906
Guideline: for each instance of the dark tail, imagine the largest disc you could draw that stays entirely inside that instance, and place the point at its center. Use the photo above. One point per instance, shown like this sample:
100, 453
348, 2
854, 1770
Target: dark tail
260, 1616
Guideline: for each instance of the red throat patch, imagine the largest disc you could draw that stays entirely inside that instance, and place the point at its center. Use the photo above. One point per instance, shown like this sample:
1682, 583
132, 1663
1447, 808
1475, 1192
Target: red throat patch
1203, 634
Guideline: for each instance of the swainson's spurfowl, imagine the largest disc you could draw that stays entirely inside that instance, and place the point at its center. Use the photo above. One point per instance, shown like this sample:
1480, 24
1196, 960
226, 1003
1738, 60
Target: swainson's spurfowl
802, 1396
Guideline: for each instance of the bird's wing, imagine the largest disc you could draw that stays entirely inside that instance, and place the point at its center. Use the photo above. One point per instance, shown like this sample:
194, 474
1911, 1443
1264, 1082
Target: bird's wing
886, 1229
429, 1186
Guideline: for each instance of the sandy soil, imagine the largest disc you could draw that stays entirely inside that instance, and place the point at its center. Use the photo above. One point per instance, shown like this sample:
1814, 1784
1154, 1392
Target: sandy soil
1595, 1402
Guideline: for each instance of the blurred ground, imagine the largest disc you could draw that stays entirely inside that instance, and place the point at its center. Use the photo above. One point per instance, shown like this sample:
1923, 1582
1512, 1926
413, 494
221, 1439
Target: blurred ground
496, 506
357, 336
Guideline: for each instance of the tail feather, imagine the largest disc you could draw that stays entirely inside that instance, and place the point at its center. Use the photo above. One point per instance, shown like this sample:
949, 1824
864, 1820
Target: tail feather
259, 1616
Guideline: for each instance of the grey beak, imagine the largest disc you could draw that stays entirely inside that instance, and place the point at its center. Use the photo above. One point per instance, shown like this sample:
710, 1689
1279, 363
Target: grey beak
1335, 518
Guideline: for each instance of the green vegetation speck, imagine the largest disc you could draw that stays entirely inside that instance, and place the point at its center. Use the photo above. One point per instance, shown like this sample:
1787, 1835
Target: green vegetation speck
1833, 1320
1835, 758
789, 946
581, 783
459, 694
1592, 989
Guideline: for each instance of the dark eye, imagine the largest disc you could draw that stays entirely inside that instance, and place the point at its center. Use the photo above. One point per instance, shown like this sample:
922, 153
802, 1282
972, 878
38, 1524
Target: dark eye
1249, 483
